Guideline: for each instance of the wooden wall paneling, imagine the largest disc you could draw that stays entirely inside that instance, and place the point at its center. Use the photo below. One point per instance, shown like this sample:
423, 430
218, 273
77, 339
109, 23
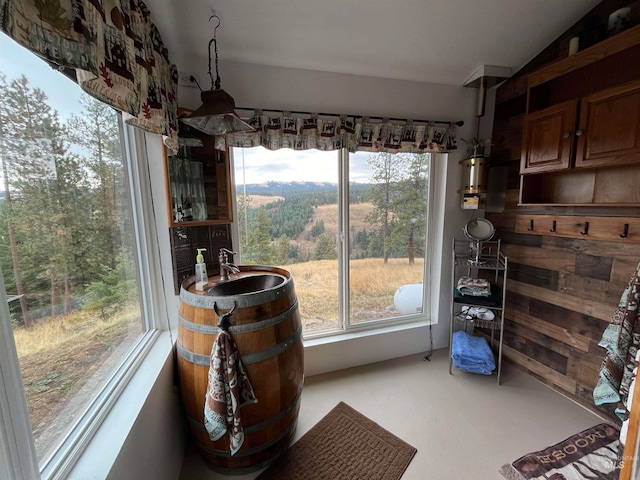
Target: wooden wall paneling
559, 260
560, 333
598, 267
622, 270
546, 374
590, 288
592, 247
539, 346
538, 276
576, 304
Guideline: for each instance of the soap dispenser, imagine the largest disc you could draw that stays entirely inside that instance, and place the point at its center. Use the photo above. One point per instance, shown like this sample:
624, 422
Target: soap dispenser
202, 280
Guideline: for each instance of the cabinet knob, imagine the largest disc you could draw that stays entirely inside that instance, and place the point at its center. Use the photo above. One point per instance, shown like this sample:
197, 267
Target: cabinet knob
566, 135
579, 132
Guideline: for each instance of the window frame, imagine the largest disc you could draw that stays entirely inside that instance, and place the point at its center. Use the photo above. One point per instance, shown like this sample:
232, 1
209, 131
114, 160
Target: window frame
345, 327
17, 450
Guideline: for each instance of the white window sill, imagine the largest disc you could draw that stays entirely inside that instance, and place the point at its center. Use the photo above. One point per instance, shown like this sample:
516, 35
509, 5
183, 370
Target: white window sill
105, 456
365, 331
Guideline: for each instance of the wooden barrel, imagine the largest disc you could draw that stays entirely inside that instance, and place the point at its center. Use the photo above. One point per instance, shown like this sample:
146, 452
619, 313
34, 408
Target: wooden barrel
267, 330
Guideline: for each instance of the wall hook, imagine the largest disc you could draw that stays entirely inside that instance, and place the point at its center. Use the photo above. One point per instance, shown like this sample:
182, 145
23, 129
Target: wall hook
530, 225
586, 229
553, 226
625, 231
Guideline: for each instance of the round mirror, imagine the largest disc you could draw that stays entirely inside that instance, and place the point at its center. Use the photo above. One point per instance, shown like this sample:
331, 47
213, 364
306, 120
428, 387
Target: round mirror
479, 229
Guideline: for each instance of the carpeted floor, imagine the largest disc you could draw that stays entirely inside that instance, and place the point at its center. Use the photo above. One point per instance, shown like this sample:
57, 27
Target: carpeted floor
463, 425
344, 445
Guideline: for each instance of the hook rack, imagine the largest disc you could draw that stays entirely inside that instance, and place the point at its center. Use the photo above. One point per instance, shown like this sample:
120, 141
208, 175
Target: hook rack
625, 231
585, 230
618, 229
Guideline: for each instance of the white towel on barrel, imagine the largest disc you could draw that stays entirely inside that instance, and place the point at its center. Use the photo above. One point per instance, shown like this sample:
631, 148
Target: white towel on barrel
228, 389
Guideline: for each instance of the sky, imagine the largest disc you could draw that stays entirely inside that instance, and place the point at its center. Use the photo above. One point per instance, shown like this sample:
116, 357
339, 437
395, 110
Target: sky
16, 60
286, 165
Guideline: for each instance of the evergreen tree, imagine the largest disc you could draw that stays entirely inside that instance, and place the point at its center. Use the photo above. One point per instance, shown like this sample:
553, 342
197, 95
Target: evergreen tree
96, 131
318, 228
325, 248
260, 249
41, 177
410, 208
388, 170
283, 250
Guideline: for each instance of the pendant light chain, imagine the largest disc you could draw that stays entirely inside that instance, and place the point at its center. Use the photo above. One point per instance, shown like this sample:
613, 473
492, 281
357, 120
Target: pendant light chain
214, 40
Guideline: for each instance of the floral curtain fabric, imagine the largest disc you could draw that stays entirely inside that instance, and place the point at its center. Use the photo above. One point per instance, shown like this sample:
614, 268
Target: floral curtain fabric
117, 52
303, 133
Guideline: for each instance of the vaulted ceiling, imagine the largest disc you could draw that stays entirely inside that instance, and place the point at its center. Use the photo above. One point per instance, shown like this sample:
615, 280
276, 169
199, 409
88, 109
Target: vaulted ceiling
435, 41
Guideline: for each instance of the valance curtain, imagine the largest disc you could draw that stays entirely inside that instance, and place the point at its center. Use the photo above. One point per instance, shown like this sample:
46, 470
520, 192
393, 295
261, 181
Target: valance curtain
361, 134
116, 51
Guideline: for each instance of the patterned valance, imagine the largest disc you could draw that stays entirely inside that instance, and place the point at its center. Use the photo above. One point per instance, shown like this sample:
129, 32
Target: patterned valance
116, 51
355, 134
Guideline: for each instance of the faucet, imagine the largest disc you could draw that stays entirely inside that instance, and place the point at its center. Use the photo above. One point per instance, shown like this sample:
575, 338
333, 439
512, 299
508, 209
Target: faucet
226, 268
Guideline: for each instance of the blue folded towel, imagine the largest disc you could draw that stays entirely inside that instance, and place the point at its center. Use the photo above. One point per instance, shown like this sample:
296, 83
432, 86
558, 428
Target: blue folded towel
472, 354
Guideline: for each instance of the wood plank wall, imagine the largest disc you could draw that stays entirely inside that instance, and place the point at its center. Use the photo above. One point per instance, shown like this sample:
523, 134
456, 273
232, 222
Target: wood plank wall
561, 292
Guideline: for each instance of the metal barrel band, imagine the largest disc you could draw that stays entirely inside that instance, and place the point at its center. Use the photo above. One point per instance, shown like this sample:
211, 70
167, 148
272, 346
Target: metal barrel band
257, 426
249, 451
242, 301
246, 328
247, 359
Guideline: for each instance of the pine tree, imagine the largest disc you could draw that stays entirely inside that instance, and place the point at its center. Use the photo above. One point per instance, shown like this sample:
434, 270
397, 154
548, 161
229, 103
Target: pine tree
325, 248
260, 250
410, 207
387, 172
283, 249
96, 131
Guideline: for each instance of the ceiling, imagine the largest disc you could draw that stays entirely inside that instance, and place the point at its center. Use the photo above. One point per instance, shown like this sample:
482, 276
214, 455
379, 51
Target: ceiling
435, 41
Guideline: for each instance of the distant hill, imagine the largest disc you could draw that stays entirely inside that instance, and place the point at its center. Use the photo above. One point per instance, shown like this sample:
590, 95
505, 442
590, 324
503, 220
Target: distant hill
284, 189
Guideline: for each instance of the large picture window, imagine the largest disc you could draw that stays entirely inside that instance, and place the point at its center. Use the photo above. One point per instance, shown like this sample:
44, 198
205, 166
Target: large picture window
68, 246
350, 227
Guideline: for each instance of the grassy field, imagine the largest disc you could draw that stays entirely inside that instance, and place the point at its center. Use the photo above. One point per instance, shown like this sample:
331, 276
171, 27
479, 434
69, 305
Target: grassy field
65, 360
372, 283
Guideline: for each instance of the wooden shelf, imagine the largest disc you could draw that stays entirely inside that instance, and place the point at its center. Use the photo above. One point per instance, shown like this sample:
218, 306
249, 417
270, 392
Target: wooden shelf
610, 187
599, 51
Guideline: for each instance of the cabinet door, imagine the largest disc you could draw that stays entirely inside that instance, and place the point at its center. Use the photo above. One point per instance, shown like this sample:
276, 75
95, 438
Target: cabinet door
547, 138
609, 129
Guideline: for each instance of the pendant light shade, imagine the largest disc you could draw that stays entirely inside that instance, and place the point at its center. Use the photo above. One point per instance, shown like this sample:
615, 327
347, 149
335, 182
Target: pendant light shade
216, 115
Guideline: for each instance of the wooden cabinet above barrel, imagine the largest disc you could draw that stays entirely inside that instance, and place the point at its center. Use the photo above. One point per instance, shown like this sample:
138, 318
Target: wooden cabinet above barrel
581, 132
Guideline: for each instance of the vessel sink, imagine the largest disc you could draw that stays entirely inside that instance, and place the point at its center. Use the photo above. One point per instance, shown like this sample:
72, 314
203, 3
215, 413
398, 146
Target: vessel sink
245, 285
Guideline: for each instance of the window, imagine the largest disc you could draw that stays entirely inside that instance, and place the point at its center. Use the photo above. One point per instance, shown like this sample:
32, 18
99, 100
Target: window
350, 227
69, 249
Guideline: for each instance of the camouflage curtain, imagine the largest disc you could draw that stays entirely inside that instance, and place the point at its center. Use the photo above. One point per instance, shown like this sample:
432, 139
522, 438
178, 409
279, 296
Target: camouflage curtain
354, 134
116, 51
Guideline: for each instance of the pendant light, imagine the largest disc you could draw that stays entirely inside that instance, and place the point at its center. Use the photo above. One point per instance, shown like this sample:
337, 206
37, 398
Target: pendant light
216, 115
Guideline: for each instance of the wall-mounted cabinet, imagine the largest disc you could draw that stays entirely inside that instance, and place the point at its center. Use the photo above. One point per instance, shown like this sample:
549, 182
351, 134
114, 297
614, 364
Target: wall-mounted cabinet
581, 133
609, 128
547, 138
198, 182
